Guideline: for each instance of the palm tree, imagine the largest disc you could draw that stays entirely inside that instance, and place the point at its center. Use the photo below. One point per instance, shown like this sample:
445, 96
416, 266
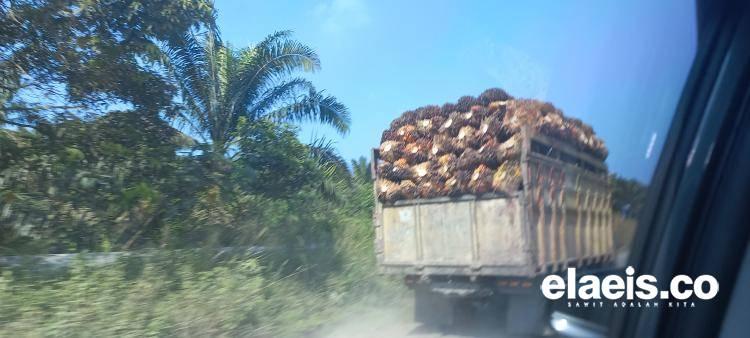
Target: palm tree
222, 88
361, 169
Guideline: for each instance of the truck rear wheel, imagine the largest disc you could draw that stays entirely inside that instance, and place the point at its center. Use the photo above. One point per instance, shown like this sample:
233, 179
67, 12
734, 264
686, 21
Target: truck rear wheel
433, 309
526, 314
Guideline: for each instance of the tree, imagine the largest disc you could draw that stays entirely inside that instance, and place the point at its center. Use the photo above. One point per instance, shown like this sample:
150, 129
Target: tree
63, 58
628, 195
361, 170
221, 88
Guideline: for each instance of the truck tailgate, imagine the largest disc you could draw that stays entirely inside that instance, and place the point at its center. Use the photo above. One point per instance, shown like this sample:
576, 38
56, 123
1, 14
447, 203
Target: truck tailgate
464, 236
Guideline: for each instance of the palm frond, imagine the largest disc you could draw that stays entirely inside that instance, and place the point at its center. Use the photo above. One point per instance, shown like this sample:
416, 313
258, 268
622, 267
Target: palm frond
325, 154
285, 91
332, 166
272, 59
361, 169
186, 61
315, 106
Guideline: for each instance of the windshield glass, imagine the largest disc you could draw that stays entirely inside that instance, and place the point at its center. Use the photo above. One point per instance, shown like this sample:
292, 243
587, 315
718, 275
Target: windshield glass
323, 169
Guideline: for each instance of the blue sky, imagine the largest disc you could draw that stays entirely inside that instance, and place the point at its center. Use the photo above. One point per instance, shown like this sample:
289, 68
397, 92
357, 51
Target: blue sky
618, 66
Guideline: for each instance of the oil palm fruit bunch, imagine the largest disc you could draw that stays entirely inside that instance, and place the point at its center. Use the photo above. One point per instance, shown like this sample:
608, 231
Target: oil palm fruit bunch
391, 150
481, 180
388, 190
507, 177
472, 146
408, 189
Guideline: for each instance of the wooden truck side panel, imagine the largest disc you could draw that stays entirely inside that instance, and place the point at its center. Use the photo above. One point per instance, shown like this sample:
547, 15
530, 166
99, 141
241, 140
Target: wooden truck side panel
568, 205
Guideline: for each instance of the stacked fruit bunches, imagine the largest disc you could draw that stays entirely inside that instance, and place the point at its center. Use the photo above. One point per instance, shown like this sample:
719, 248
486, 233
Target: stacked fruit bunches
470, 147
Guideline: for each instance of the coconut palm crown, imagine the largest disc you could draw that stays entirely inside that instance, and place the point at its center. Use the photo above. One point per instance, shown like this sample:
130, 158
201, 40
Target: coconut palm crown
221, 88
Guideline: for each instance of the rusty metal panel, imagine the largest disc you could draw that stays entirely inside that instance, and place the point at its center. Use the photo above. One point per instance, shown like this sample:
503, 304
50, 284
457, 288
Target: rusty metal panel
446, 230
459, 236
399, 235
569, 210
500, 233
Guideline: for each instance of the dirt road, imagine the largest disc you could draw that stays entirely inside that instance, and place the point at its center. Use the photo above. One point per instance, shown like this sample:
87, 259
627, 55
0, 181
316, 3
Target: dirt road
395, 320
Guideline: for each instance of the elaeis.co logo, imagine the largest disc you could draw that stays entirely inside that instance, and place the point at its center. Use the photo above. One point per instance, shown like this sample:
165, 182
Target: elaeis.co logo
589, 291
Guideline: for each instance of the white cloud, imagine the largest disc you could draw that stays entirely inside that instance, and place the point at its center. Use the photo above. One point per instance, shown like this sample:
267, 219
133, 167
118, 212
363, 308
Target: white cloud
339, 16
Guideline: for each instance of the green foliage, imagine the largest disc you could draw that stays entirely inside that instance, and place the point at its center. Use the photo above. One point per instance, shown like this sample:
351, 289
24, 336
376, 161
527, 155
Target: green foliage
223, 89
63, 57
101, 103
117, 183
272, 160
361, 170
76, 184
628, 195
165, 295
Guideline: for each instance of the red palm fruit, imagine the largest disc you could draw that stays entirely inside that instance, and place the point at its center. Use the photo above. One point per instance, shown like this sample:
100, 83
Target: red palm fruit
444, 144
384, 169
480, 171
421, 172
466, 137
463, 178
428, 112
388, 135
408, 189
510, 149
498, 107
553, 125
488, 153
438, 121
520, 113
465, 102
447, 109
407, 133
392, 172
401, 169
396, 123
451, 188
426, 127
409, 117
490, 128
446, 166
447, 159
417, 151
388, 191
507, 178
546, 108
452, 124
430, 188
481, 180
492, 95
474, 116
469, 159
391, 150
587, 129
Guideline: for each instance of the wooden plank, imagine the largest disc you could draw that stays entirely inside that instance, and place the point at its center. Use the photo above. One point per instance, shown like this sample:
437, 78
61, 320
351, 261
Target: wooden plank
571, 151
579, 216
550, 192
563, 220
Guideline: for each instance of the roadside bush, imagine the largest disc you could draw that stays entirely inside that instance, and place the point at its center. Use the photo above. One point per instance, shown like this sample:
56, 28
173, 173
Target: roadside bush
170, 295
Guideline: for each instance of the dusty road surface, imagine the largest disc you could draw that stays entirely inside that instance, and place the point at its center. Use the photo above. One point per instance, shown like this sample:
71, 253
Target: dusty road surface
395, 320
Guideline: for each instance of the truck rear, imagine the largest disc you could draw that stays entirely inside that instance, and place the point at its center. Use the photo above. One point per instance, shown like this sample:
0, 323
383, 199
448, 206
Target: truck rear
497, 247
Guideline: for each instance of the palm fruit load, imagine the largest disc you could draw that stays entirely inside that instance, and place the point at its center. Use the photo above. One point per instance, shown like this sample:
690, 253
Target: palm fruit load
472, 146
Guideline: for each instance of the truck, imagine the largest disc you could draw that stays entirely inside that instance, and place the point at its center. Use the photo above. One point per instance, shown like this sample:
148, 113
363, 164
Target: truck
496, 249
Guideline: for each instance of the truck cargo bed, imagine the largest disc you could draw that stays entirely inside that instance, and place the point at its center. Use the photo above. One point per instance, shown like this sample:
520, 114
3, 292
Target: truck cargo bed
464, 236
561, 217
